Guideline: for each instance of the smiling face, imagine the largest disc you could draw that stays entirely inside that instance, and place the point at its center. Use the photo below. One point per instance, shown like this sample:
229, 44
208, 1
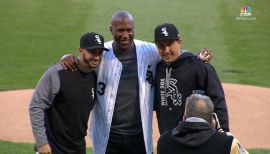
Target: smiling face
122, 29
90, 58
169, 50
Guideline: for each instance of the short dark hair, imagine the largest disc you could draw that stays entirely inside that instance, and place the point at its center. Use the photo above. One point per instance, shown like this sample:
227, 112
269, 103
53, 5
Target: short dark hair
200, 106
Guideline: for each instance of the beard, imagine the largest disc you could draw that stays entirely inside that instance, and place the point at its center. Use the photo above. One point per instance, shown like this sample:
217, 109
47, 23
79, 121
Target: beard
87, 62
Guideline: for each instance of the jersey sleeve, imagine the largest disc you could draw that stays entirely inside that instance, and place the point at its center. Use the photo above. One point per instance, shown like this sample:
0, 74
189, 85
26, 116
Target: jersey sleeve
155, 52
215, 91
43, 97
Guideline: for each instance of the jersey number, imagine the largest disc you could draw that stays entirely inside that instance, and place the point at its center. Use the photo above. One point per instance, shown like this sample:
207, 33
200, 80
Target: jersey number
101, 88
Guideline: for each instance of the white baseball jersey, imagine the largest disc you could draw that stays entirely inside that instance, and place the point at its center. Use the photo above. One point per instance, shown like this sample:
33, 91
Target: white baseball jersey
108, 79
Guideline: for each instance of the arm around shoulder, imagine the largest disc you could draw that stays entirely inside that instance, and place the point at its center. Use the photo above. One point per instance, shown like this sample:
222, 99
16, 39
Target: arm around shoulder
68, 61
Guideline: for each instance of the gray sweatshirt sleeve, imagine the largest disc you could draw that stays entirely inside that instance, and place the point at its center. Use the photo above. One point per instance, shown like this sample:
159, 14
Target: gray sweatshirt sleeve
43, 97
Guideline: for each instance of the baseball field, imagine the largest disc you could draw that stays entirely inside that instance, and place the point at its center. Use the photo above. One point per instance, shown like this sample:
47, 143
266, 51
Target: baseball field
35, 33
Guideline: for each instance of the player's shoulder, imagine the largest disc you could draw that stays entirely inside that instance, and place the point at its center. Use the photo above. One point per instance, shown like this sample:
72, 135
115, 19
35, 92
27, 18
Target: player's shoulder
52, 72
55, 68
147, 49
190, 57
108, 44
224, 136
144, 43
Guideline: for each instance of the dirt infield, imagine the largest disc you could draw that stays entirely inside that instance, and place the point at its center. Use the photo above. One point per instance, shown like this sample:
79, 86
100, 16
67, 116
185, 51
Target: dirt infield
249, 113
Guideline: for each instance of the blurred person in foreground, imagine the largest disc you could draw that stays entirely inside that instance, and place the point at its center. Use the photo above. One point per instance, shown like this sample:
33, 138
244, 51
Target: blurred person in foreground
199, 132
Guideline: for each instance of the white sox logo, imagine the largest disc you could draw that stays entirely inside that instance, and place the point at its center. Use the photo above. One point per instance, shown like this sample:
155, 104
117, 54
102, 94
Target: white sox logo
93, 93
164, 31
150, 76
98, 39
170, 92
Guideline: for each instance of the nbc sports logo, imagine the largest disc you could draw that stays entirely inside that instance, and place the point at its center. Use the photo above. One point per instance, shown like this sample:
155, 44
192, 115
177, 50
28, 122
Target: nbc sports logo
245, 11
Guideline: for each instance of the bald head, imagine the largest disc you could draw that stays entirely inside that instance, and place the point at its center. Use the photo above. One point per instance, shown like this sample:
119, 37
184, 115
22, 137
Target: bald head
199, 106
120, 16
122, 29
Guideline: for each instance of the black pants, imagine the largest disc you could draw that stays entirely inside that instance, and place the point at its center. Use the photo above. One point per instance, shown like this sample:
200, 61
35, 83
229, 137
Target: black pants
125, 144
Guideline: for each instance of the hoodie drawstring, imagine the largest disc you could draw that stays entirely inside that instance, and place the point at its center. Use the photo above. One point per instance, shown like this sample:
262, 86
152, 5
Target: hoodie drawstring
168, 77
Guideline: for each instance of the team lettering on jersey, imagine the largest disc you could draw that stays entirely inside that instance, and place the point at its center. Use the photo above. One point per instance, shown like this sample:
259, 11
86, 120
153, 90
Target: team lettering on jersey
150, 76
170, 93
93, 93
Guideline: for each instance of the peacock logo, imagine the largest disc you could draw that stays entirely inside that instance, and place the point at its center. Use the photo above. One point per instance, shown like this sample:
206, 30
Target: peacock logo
245, 11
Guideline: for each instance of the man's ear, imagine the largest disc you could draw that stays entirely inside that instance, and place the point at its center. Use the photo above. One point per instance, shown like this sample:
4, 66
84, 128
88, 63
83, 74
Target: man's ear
80, 50
180, 43
111, 29
214, 123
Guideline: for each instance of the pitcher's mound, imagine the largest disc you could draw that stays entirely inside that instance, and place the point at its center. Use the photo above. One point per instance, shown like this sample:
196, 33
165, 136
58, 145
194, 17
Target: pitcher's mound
249, 112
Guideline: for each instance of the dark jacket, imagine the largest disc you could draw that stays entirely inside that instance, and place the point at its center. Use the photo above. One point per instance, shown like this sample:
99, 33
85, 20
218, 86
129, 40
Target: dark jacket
194, 138
60, 108
66, 119
184, 76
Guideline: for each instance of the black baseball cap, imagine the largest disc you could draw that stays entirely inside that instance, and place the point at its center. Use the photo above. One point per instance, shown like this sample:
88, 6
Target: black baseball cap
92, 40
166, 31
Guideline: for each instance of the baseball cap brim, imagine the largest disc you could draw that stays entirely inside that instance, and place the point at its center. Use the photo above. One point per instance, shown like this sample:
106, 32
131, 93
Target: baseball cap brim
96, 47
169, 38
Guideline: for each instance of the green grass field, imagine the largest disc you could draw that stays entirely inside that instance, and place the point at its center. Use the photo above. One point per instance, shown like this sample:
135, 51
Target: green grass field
22, 148
36, 33
26, 148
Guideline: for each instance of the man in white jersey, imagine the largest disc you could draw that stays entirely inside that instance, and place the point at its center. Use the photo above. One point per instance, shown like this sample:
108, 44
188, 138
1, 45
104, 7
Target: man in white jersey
122, 119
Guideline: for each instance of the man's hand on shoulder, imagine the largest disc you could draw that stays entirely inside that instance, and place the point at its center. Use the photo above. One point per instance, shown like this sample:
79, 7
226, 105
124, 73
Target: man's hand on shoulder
69, 62
205, 55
